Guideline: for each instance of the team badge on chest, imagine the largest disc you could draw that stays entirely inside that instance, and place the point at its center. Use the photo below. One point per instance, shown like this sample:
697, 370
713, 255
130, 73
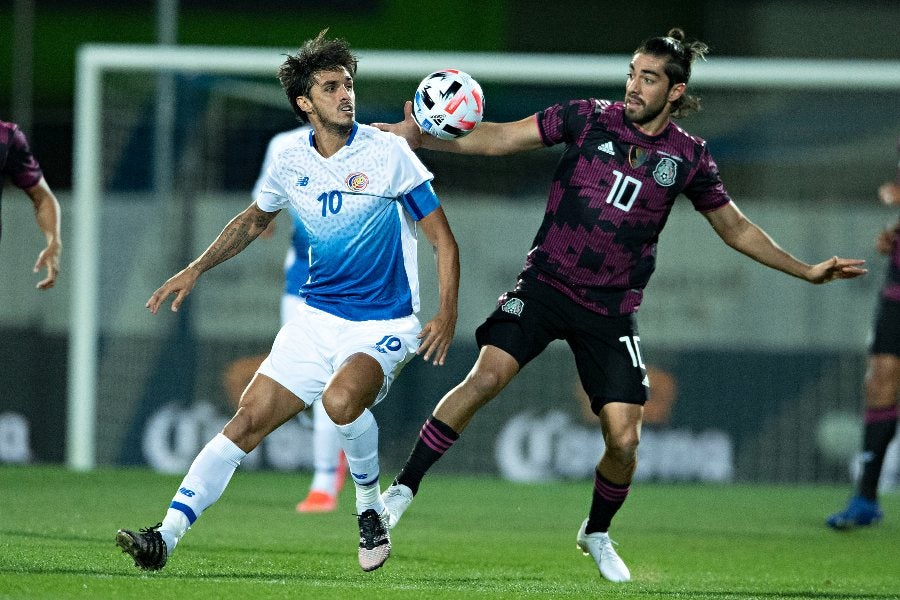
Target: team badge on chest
357, 181
665, 172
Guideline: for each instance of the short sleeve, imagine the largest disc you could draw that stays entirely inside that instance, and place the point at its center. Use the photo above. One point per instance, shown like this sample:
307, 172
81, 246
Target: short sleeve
272, 195
706, 190
21, 167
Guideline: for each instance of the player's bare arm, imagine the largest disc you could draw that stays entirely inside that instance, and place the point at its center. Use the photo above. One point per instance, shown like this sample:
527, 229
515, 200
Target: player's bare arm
740, 233
488, 139
437, 334
237, 235
47, 214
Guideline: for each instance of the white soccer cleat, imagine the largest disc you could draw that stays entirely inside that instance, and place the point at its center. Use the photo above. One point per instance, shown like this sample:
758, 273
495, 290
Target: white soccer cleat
600, 548
397, 499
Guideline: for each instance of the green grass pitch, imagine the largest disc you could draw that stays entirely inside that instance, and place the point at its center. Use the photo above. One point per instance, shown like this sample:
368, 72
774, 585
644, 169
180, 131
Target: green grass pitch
463, 537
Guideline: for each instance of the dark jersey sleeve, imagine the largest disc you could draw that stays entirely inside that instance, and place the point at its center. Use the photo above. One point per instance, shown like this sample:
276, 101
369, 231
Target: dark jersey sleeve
706, 190
20, 165
560, 123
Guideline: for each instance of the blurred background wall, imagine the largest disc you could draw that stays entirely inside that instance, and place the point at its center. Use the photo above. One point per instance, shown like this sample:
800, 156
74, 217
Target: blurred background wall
750, 364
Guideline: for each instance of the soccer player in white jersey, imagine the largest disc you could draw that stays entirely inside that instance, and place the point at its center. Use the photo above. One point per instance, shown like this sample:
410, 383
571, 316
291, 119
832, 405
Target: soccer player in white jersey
360, 193
329, 466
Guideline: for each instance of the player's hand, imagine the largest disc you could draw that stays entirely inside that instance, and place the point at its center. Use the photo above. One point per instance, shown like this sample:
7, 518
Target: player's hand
408, 129
179, 284
48, 259
436, 336
836, 268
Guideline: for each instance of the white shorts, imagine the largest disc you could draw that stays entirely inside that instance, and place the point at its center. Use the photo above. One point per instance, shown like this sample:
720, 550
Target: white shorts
313, 344
289, 304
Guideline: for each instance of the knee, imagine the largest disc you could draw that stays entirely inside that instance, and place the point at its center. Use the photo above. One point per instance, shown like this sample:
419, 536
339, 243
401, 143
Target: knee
484, 383
341, 405
623, 447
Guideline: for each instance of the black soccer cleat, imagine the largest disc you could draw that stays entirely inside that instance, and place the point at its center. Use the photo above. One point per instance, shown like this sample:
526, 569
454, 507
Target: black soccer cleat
374, 539
147, 547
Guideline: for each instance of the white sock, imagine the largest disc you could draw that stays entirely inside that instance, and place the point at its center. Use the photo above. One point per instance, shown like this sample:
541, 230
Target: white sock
361, 449
201, 487
326, 449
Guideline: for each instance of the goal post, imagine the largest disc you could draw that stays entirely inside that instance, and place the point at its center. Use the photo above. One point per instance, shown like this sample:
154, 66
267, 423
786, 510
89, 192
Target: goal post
96, 62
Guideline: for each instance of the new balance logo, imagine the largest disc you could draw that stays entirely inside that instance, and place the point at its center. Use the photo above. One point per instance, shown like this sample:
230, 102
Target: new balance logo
607, 147
303, 181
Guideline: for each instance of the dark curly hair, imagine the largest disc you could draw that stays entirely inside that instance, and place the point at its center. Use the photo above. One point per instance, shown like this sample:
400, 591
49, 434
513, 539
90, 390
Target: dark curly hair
680, 55
297, 71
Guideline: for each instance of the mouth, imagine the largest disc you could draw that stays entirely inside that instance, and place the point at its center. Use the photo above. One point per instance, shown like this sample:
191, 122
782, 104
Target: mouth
633, 103
347, 108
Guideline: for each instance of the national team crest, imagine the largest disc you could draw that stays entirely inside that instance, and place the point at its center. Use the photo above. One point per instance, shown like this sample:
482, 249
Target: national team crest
513, 306
357, 181
665, 172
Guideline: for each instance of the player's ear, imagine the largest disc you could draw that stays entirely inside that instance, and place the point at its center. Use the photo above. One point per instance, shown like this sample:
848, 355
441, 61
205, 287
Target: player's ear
303, 103
677, 91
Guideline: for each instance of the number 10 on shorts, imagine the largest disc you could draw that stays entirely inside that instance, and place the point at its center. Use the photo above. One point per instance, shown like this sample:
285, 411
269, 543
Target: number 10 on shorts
634, 350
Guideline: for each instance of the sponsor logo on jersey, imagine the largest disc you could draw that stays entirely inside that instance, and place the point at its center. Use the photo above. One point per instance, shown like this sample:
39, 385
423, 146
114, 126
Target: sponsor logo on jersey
513, 306
607, 147
665, 172
357, 181
302, 181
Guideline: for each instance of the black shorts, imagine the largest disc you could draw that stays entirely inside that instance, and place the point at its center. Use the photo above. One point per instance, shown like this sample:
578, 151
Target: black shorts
886, 333
607, 349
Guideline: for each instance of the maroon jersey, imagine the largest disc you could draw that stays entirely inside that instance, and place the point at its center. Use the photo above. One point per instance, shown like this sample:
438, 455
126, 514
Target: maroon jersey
891, 289
611, 195
16, 160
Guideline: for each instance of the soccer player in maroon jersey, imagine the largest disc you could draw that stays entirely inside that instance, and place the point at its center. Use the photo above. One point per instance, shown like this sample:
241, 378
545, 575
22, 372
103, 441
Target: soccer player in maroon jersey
623, 166
882, 383
18, 163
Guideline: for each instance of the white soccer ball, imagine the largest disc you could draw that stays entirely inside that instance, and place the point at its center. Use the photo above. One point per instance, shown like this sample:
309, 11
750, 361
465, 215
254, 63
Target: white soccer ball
448, 104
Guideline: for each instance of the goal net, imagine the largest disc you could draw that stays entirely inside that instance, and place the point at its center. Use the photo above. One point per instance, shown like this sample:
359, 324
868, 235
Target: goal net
169, 141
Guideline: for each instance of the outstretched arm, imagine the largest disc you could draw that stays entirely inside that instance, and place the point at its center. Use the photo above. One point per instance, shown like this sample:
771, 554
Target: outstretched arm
437, 334
236, 236
489, 139
740, 233
47, 215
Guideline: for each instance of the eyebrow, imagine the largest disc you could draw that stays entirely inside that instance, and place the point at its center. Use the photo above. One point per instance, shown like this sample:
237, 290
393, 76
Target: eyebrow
646, 71
338, 79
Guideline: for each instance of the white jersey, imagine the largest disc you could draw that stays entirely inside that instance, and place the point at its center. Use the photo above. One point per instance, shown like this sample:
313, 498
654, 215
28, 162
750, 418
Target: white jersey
359, 208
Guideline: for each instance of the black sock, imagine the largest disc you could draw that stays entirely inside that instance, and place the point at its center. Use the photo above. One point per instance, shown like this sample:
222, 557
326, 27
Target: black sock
435, 438
879, 431
607, 499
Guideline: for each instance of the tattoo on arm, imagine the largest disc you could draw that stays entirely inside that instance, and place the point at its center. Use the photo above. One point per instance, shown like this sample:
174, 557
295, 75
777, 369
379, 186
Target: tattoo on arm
236, 236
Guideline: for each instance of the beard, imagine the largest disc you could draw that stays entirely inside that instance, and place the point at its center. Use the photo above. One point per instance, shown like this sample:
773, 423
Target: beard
337, 128
645, 114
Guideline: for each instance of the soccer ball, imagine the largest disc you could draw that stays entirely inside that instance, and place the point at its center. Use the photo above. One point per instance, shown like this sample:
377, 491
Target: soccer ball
448, 104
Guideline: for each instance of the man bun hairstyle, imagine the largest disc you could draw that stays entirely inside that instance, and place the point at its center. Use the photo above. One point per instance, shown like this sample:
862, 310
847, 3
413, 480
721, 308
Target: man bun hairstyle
297, 72
680, 56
